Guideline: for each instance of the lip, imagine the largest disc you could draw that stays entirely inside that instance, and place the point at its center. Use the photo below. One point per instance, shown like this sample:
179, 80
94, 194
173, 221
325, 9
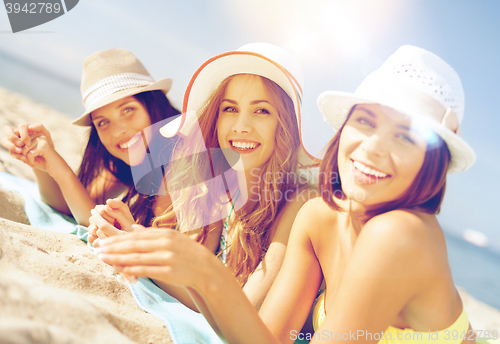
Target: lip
138, 135
244, 150
363, 178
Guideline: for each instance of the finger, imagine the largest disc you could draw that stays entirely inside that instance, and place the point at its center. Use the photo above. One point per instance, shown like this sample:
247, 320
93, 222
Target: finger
133, 259
120, 218
101, 235
163, 273
104, 226
134, 245
24, 134
150, 234
19, 157
104, 215
13, 136
38, 128
96, 243
91, 239
92, 229
11, 146
31, 157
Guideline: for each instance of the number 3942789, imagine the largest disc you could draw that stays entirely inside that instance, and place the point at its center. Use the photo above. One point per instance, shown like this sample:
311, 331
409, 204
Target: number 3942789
33, 7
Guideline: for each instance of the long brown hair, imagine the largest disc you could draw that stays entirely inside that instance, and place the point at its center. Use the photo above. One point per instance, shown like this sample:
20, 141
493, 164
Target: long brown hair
96, 158
424, 194
252, 230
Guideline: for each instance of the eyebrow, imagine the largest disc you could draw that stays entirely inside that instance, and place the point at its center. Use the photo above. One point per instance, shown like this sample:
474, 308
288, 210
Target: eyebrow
254, 102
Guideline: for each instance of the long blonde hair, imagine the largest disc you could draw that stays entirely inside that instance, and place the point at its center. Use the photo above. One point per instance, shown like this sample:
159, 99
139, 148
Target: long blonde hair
252, 230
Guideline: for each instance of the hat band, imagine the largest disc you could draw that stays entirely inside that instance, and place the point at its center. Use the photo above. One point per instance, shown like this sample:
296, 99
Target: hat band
408, 99
113, 84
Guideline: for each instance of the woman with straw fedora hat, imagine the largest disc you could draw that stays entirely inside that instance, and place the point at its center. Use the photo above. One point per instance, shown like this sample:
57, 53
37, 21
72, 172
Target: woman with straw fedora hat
243, 108
373, 235
122, 105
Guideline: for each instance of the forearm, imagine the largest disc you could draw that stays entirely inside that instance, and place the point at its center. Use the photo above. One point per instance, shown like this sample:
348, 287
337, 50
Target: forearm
180, 293
76, 196
231, 310
50, 193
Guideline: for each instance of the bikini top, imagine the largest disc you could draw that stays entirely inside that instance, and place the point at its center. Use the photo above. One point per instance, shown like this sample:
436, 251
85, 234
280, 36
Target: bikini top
453, 334
222, 251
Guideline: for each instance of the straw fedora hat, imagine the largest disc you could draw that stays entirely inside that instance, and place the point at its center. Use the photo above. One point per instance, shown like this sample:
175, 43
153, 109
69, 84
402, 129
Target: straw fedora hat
262, 59
112, 74
416, 83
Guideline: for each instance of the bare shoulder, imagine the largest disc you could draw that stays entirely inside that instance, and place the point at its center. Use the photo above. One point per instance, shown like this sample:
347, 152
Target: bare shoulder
399, 224
409, 235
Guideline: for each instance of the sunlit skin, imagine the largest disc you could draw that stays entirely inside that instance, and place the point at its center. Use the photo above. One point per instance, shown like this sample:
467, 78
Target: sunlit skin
380, 154
120, 126
248, 117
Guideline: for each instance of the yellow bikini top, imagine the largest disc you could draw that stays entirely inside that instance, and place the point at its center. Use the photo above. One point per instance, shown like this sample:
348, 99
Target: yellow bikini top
453, 334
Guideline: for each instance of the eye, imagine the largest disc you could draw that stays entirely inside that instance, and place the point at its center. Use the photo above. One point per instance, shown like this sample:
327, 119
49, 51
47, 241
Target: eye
406, 138
365, 121
128, 111
102, 123
229, 109
263, 111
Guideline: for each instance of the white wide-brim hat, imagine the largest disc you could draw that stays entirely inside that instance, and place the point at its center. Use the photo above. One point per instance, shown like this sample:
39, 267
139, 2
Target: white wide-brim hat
261, 59
417, 83
113, 74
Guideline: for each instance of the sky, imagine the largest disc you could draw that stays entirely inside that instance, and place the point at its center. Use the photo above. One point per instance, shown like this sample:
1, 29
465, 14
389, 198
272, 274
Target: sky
337, 42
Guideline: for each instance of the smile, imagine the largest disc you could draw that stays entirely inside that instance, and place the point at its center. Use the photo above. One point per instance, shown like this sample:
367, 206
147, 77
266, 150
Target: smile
244, 145
368, 170
131, 142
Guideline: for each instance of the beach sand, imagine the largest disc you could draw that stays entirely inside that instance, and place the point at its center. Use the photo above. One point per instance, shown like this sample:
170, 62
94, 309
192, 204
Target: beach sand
52, 287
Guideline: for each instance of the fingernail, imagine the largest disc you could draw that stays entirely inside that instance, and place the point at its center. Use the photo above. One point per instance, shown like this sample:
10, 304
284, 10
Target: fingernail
18, 150
19, 143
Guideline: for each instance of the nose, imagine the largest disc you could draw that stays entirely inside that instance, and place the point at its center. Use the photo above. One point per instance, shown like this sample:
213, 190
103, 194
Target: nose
375, 145
242, 123
119, 129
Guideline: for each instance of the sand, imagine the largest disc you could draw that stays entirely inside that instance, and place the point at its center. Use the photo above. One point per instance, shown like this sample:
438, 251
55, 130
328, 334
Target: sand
52, 287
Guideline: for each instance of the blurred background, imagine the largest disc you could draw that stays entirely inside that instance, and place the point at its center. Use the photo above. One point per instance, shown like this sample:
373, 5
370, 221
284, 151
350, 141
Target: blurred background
338, 43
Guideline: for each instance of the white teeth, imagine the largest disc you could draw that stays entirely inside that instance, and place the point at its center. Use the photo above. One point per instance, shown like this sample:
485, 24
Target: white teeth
368, 170
244, 145
130, 142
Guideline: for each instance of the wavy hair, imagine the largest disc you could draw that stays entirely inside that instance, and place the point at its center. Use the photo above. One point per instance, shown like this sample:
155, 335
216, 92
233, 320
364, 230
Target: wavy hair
252, 230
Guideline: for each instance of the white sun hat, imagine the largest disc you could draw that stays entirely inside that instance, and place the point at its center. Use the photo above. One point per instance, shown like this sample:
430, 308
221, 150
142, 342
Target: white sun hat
262, 59
419, 84
113, 74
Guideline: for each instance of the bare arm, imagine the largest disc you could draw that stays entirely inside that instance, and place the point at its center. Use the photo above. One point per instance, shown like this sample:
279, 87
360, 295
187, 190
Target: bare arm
261, 280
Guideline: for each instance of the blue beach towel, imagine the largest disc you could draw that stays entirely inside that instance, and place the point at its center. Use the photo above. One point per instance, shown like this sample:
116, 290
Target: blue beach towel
185, 326
40, 214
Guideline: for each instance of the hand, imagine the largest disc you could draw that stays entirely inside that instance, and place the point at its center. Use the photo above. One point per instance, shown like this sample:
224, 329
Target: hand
32, 144
92, 237
102, 225
120, 212
165, 255
16, 140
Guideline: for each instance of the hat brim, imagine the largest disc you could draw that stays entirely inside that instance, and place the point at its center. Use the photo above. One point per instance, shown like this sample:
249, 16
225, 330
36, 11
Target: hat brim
160, 85
213, 72
335, 106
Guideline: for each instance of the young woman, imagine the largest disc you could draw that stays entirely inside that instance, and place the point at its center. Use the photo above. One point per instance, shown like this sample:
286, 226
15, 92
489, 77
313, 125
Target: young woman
236, 173
373, 236
123, 104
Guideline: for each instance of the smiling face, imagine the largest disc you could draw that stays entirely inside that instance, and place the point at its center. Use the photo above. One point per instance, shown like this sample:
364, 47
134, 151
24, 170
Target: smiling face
247, 121
380, 153
121, 126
